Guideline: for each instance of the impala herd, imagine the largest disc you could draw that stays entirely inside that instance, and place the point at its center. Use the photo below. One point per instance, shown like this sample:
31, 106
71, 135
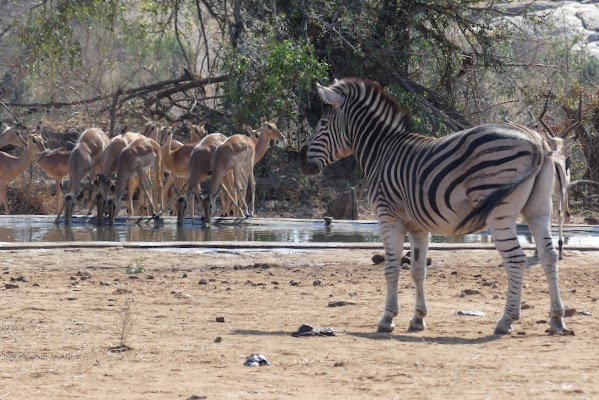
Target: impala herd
100, 169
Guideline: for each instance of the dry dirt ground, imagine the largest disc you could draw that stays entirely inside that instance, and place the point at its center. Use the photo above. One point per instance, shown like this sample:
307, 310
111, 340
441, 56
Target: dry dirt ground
62, 311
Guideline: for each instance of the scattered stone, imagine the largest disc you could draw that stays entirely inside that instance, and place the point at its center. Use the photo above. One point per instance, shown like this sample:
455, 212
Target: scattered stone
11, 286
19, 278
585, 313
202, 282
196, 397
471, 313
469, 292
103, 283
150, 277
274, 283
378, 258
317, 282
218, 339
309, 330
339, 364
84, 275
294, 283
184, 275
525, 306
568, 312
341, 303
220, 318
36, 285
121, 291
256, 360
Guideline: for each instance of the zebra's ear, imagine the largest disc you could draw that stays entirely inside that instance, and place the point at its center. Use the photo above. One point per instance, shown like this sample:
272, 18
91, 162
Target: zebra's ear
329, 96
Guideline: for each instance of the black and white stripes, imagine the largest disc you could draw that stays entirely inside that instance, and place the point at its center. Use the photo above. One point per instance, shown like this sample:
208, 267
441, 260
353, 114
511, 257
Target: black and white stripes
483, 176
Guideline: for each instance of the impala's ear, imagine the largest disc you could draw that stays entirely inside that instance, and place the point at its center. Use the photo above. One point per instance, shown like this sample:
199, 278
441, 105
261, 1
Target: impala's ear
248, 129
263, 120
330, 96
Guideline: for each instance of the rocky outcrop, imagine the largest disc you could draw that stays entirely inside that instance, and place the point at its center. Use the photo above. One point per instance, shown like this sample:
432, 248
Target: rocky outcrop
573, 18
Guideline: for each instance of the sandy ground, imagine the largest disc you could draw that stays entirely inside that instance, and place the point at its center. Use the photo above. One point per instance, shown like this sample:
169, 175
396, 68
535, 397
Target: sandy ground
62, 311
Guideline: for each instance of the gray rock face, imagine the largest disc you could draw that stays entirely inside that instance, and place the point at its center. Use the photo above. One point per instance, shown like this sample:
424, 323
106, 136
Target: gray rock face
571, 18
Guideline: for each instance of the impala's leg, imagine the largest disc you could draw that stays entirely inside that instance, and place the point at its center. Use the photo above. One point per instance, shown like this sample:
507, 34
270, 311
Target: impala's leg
393, 235
419, 247
146, 186
3, 198
167, 186
252, 194
130, 193
58, 183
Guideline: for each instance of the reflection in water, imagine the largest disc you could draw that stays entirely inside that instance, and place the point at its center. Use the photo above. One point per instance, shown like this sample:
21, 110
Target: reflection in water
35, 229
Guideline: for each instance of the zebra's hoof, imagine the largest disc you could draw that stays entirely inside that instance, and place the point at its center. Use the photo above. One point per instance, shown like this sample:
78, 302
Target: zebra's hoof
416, 324
503, 327
386, 324
557, 327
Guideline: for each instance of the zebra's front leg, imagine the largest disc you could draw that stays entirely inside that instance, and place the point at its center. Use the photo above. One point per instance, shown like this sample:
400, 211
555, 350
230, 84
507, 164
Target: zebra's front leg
514, 261
393, 235
419, 247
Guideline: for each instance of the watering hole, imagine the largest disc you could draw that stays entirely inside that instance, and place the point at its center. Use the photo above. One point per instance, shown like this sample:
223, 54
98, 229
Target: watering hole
42, 229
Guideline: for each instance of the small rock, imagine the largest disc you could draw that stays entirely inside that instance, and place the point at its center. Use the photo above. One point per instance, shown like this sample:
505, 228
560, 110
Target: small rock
150, 277
220, 318
469, 292
568, 312
184, 275
471, 313
294, 283
196, 397
585, 313
36, 285
378, 258
11, 286
317, 282
341, 303
218, 339
202, 282
256, 360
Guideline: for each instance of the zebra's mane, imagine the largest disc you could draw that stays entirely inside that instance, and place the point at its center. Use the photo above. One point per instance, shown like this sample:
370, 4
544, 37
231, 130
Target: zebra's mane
375, 86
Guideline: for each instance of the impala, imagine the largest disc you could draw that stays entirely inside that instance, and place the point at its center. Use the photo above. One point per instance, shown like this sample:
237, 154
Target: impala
198, 170
239, 154
11, 166
55, 163
137, 158
84, 161
109, 161
11, 136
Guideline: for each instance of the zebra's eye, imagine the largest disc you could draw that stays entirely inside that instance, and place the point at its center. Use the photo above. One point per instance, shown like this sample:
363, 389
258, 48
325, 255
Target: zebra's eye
324, 122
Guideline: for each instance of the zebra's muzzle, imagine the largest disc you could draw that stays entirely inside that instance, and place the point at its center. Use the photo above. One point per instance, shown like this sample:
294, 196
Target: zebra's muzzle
307, 167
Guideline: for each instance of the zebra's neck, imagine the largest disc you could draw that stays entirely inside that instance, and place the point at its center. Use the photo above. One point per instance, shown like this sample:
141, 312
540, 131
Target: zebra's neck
376, 127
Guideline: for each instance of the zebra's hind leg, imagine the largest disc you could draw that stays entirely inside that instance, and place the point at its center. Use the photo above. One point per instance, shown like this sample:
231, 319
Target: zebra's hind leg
393, 235
506, 241
539, 226
419, 247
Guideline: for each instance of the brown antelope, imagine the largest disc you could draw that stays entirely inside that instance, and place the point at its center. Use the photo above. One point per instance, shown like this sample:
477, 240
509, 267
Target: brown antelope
239, 154
55, 163
84, 161
198, 170
11, 136
176, 162
11, 166
137, 158
109, 161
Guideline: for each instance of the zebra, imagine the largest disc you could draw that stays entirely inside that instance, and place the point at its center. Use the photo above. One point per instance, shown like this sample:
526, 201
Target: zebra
484, 176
